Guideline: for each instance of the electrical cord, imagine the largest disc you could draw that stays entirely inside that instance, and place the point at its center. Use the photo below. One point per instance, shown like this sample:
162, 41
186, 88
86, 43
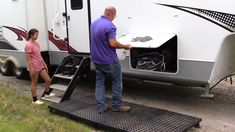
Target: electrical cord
221, 80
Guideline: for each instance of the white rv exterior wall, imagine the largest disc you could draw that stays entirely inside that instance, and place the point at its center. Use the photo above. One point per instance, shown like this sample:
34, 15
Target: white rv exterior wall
198, 39
13, 14
21, 15
54, 11
36, 19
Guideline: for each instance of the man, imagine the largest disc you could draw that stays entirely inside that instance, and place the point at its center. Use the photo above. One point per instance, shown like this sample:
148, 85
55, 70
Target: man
104, 57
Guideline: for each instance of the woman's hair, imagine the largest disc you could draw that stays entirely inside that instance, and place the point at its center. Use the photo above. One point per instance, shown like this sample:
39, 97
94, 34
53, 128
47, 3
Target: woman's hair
31, 33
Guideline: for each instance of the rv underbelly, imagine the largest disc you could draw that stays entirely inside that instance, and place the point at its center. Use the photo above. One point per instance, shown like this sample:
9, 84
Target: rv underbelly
190, 73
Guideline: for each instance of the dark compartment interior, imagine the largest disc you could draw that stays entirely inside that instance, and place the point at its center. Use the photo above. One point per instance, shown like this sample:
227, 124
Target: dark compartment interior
161, 59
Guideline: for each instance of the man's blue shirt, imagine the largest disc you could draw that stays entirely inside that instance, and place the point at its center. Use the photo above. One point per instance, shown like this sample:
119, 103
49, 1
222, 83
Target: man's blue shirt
102, 30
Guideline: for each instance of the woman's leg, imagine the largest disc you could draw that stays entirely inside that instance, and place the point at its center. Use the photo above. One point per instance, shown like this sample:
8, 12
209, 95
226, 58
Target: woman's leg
46, 78
34, 81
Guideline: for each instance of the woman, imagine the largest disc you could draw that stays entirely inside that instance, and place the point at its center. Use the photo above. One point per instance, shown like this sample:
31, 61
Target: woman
36, 66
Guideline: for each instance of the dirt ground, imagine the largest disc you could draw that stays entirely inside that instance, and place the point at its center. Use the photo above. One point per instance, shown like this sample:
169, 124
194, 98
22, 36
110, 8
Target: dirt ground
217, 114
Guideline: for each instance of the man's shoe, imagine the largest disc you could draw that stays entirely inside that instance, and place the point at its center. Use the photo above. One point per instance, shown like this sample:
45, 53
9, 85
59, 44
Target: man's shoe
106, 108
123, 108
48, 96
38, 102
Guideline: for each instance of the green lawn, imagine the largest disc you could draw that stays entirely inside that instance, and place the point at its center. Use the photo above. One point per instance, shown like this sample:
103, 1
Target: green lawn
18, 114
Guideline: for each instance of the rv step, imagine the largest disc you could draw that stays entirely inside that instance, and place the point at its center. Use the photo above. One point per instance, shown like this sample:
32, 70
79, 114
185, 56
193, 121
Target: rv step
139, 119
54, 99
59, 87
70, 66
67, 83
60, 75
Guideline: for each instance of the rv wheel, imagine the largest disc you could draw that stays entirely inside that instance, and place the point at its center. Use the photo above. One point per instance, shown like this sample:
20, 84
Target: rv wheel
19, 72
5, 68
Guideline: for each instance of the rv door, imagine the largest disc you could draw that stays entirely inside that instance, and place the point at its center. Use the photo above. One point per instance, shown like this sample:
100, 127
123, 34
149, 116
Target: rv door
78, 25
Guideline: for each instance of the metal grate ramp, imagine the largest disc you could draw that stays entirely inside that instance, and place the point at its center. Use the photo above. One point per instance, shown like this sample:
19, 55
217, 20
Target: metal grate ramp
139, 119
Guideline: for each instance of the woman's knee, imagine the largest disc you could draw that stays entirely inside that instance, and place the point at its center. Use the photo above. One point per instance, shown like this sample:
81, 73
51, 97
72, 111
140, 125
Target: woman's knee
45, 76
48, 81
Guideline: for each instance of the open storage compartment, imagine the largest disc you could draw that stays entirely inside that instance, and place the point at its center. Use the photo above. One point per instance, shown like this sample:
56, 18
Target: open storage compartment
156, 53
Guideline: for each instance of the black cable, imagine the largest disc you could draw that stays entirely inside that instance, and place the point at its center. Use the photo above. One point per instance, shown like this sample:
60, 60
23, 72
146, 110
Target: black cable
222, 80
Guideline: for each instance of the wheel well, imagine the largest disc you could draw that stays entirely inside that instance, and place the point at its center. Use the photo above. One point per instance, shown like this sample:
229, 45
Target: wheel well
11, 62
8, 71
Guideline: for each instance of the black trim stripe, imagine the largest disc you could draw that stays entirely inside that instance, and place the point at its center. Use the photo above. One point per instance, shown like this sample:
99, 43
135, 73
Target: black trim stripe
67, 23
89, 19
224, 20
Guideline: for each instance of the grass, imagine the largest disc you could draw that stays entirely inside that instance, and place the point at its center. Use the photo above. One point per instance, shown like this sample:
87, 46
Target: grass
18, 114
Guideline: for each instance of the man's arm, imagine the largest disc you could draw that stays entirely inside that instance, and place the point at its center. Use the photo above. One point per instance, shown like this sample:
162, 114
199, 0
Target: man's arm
115, 44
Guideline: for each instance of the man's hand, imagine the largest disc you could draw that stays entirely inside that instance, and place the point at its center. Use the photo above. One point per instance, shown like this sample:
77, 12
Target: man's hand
114, 43
128, 46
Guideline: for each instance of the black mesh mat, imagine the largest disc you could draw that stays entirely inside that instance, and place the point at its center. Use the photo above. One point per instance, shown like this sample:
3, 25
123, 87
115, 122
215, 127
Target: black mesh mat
139, 119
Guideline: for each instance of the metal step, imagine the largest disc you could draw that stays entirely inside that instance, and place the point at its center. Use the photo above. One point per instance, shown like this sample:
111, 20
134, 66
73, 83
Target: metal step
60, 75
54, 99
59, 87
70, 66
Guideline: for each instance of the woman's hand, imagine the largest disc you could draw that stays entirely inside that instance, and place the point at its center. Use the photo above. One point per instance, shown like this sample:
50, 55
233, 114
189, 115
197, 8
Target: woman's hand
45, 65
46, 68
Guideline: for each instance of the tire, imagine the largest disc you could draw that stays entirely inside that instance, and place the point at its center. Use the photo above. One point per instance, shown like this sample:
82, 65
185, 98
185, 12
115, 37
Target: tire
5, 68
20, 73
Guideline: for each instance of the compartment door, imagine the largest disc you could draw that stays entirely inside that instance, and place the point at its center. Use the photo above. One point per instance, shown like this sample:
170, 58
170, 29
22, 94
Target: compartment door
153, 40
78, 25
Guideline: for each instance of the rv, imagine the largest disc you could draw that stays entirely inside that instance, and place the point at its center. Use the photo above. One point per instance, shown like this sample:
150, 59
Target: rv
181, 42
